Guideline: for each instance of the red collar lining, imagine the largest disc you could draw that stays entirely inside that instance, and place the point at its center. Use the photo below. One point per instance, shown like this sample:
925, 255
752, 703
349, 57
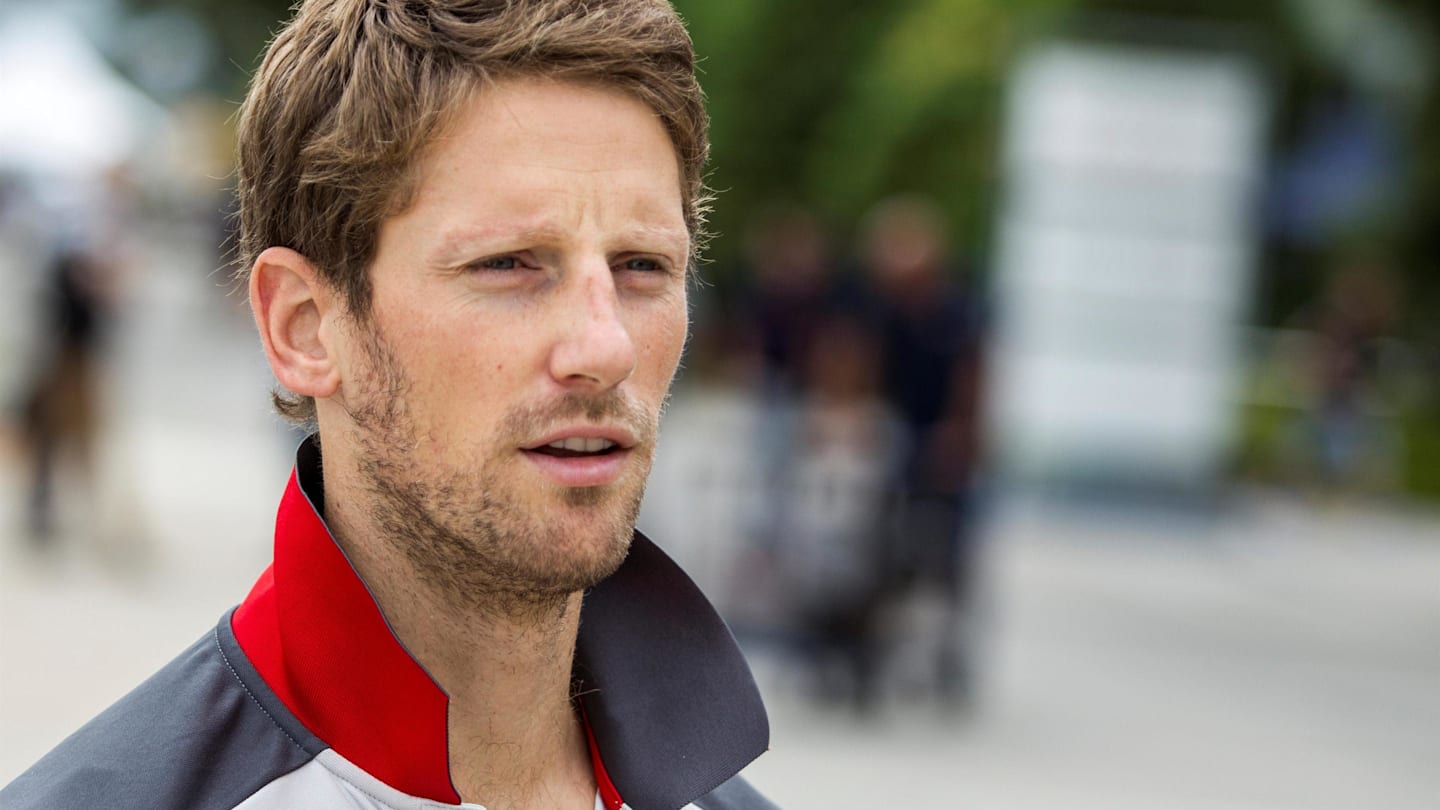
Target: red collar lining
317, 637
608, 794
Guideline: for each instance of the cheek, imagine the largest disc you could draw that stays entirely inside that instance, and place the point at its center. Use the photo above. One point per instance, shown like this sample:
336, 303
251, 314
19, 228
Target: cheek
455, 367
477, 367
665, 340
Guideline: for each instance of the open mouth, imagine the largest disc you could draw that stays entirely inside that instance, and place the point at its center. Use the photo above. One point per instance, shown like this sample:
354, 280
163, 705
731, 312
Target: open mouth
582, 461
577, 448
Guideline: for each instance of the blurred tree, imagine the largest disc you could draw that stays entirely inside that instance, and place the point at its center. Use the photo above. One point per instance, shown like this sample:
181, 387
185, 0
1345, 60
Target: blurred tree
836, 104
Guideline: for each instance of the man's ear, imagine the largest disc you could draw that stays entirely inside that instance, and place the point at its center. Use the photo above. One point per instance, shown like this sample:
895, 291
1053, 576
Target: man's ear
293, 310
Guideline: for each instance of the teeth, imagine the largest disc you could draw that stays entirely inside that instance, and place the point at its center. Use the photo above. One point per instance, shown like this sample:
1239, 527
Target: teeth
579, 445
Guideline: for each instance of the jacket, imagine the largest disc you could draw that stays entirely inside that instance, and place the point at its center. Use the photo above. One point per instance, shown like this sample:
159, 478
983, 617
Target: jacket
302, 697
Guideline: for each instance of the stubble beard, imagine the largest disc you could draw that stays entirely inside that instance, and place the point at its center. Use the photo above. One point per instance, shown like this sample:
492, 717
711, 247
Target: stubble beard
467, 533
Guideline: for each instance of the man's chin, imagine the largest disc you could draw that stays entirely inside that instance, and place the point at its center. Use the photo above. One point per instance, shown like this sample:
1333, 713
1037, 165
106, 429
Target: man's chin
587, 563
582, 536
520, 544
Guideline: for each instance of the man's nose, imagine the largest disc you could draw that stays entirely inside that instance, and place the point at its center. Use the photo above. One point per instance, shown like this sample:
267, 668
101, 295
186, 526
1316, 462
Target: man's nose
595, 349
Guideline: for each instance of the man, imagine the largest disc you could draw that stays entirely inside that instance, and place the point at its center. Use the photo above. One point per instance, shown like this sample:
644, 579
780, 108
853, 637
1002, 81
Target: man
467, 227
931, 330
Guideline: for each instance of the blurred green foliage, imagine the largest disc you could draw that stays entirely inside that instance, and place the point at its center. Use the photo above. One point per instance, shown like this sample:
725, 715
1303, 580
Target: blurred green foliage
835, 104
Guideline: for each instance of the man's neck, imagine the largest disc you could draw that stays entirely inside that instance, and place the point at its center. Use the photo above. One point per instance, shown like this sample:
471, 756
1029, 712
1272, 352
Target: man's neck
515, 741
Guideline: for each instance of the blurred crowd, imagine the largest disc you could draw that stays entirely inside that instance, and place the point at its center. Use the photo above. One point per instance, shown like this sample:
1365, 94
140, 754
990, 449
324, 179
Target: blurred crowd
859, 373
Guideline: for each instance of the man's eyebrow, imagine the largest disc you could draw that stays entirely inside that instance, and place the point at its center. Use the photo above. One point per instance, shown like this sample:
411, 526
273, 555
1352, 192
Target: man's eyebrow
466, 243
462, 243
663, 235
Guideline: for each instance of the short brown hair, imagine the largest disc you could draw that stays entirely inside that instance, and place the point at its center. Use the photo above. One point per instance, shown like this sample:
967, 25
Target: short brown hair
351, 92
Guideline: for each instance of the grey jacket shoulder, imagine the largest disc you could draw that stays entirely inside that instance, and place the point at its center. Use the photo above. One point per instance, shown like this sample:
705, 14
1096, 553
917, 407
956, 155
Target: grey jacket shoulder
735, 794
203, 733
195, 735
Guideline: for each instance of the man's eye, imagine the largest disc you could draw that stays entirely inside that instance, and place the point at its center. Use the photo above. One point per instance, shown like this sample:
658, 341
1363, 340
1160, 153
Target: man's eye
643, 265
498, 263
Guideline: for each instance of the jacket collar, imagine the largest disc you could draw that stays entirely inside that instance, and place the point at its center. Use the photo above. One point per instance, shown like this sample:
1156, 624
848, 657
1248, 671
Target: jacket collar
669, 701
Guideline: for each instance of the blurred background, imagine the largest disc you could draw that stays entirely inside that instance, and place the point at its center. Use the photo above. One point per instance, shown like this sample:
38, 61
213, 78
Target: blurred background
1060, 426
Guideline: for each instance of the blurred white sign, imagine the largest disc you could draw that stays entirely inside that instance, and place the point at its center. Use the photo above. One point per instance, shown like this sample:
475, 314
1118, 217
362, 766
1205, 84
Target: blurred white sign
1126, 252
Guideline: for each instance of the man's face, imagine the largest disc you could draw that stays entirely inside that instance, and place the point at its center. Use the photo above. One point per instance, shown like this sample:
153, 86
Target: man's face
528, 315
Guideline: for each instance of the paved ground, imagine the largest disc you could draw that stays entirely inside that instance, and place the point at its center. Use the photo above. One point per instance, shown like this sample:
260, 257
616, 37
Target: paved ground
1276, 656
1279, 659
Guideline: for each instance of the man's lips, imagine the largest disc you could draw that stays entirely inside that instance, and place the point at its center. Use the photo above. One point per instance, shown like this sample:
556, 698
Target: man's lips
620, 437
582, 456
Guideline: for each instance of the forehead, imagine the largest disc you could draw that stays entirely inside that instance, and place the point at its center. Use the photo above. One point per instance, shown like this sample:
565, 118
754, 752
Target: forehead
548, 154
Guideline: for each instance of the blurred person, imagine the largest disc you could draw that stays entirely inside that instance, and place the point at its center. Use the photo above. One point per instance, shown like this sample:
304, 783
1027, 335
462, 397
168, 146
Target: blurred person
1356, 312
829, 536
786, 292
467, 229
930, 331
788, 289
60, 407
